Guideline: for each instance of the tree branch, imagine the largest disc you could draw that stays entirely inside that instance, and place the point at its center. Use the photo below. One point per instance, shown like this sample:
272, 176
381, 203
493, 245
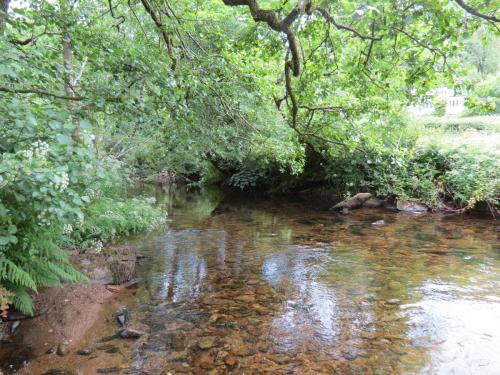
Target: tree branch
283, 26
41, 92
329, 18
161, 27
475, 12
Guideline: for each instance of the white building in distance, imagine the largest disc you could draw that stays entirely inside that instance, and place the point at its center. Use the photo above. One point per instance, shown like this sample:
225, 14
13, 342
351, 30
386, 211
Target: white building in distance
454, 104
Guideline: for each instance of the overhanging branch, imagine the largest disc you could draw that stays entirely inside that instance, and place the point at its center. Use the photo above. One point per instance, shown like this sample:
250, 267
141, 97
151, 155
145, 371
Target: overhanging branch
283, 26
158, 22
475, 12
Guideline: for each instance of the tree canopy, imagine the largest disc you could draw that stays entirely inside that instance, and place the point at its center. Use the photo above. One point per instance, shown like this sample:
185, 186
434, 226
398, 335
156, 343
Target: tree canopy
253, 91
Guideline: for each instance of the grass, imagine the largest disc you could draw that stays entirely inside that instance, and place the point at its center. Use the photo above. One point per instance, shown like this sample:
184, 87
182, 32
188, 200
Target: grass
481, 132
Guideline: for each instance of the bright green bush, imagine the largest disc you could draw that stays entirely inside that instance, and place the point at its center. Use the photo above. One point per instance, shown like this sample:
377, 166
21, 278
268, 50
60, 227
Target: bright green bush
396, 173
431, 175
485, 98
481, 105
439, 107
473, 176
107, 218
51, 184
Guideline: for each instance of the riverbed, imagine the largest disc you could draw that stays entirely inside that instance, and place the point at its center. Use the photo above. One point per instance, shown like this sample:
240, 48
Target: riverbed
252, 285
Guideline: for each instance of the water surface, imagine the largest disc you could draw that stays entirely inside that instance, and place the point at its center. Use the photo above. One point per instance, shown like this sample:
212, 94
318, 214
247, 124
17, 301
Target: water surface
247, 285
254, 286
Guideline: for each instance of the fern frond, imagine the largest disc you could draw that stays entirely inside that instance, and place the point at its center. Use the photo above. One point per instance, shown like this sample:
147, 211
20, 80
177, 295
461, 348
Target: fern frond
11, 272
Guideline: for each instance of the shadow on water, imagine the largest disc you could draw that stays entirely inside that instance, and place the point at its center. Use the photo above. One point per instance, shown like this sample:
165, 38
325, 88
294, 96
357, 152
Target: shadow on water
249, 285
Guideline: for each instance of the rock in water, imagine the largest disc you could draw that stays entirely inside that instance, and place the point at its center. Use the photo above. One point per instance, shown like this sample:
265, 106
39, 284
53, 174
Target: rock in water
373, 203
230, 360
393, 301
205, 361
378, 222
411, 207
122, 316
14, 326
206, 342
63, 349
353, 202
85, 351
108, 370
394, 285
128, 333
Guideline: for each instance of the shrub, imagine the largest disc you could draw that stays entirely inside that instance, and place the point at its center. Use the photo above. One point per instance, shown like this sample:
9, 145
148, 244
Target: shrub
474, 176
478, 105
39, 194
439, 107
465, 176
485, 98
53, 192
107, 218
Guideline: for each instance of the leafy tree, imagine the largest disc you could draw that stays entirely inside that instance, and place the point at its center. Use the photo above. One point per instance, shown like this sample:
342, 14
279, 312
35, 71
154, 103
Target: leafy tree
255, 90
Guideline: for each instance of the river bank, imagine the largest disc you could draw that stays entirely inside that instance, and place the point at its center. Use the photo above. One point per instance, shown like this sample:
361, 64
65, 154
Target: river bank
69, 317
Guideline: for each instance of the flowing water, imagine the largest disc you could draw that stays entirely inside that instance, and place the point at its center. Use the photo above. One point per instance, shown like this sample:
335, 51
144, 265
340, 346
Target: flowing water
255, 286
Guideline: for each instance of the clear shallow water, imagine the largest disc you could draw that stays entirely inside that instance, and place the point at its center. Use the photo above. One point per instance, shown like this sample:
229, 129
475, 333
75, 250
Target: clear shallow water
283, 288
246, 285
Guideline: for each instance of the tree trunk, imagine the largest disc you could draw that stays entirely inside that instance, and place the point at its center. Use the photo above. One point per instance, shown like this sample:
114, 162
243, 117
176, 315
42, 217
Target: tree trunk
67, 56
67, 63
4, 7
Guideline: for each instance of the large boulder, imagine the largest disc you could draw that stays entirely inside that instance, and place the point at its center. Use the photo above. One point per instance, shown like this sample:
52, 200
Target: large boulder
373, 203
412, 207
353, 202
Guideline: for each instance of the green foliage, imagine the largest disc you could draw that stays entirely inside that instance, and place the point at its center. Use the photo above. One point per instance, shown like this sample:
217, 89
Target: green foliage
455, 125
41, 173
107, 218
473, 176
482, 51
439, 107
210, 104
485, 98
391, 173
429, 173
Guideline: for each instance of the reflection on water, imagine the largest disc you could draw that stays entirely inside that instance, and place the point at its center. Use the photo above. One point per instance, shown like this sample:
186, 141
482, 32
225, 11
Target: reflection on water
254, 286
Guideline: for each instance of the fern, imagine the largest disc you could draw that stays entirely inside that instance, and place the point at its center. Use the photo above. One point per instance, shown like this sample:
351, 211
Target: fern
22, 300
11, 272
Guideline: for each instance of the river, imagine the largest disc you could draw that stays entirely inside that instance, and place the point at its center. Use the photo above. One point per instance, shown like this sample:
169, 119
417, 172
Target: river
250, 285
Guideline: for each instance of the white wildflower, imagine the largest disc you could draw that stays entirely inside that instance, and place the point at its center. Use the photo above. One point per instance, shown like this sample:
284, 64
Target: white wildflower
63, 183
28, 154
41, 147
68, 229
98, 247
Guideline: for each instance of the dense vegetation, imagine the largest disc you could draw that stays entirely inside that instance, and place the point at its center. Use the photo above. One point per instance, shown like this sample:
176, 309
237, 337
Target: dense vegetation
268, 95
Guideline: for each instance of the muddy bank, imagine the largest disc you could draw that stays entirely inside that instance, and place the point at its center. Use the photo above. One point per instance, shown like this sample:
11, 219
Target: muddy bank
70, 318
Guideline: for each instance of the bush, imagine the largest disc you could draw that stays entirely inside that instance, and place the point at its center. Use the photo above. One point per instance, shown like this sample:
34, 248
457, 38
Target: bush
39, 193
439, 107
52, 184
108, 218
465, 176
473, 177
485, 98
481, 106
